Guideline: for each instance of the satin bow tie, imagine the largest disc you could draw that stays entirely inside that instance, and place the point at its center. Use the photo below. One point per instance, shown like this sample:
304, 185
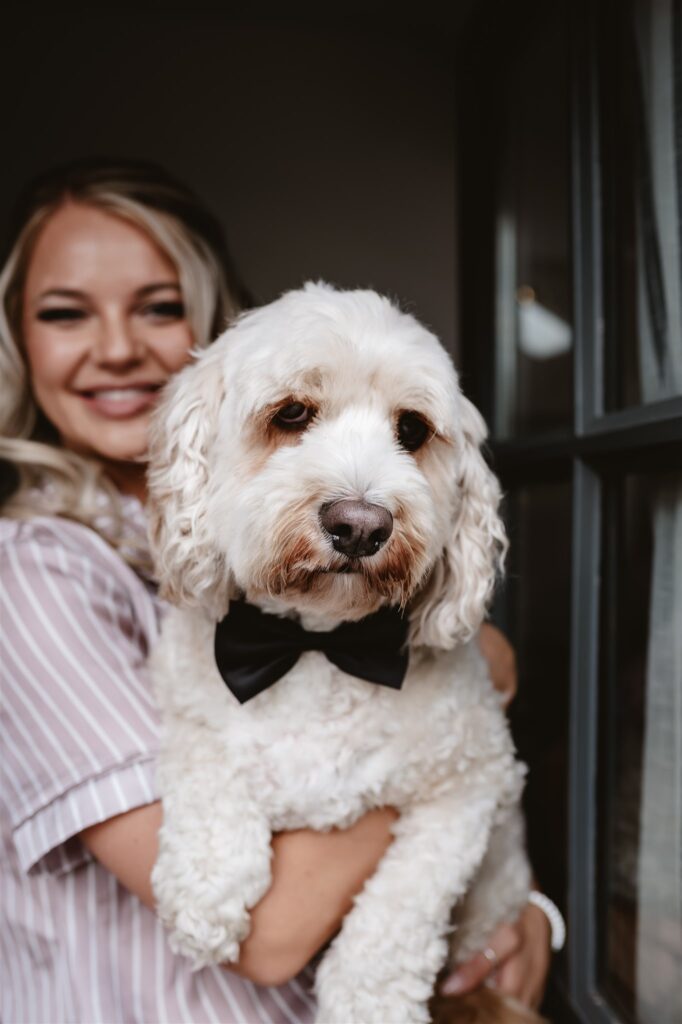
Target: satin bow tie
254, 649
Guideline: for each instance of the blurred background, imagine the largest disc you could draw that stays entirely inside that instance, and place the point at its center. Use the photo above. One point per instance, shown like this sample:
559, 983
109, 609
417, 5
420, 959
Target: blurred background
512, 173
325, 145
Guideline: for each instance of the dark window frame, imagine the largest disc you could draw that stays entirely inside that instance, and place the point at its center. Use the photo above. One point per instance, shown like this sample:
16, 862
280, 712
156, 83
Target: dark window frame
643, 438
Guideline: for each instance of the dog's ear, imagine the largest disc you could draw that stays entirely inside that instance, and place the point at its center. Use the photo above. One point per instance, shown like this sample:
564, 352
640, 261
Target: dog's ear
451, 607
190, 567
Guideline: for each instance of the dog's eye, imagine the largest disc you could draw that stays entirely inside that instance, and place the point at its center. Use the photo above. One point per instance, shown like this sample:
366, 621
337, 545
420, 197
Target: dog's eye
294, 416
412, 431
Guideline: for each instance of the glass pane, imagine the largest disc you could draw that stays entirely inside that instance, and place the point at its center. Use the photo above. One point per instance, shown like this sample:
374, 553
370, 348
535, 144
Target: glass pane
537, 598
641, 100
534, 335
640, 820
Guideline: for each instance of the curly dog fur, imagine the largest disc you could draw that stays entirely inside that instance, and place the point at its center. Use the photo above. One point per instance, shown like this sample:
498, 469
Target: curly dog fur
236, 505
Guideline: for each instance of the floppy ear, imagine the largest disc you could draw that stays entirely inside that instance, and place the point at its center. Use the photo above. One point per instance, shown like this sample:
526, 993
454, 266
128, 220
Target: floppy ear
191, 568
451, 607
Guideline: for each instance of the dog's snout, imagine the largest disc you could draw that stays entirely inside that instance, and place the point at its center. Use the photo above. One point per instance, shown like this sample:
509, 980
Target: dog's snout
357, 529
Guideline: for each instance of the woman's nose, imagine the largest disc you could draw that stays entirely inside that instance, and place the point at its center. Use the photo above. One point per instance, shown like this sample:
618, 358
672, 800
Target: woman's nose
117, 343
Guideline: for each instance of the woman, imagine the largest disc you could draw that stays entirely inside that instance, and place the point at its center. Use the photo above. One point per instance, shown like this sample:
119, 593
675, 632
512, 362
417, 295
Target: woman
115, 274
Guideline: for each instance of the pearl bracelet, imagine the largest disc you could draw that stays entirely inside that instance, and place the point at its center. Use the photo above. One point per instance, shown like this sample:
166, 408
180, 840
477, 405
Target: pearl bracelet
553, 915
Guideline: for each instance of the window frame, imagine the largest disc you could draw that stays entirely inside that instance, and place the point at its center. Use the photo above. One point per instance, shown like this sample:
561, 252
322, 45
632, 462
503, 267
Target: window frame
648, 436
647, 430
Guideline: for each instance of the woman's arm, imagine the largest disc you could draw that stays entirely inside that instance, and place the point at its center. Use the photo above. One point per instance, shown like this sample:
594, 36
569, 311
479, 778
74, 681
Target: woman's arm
315, 876
519, 954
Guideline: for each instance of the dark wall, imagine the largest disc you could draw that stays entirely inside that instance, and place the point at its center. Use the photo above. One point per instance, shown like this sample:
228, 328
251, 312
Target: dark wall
327, 151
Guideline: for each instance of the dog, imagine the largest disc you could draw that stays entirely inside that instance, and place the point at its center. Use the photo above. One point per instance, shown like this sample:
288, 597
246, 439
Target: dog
318, 466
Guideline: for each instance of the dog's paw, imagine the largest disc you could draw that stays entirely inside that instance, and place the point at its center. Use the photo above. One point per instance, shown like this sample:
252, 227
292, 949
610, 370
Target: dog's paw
363, 993
208, 937
204, 902
205, 919
365, 1007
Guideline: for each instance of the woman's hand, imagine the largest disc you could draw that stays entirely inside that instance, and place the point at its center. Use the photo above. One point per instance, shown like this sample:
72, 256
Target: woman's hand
501, 658
516, 961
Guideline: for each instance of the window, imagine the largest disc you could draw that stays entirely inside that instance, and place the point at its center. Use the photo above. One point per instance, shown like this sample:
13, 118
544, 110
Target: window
639, 771
571, 299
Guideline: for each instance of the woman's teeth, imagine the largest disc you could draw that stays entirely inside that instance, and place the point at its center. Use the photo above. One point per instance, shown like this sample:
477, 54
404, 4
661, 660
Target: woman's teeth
121, 403
120, 394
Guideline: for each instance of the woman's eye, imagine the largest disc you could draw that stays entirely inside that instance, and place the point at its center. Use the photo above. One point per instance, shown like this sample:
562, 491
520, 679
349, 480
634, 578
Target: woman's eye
412, 431
64, 314
165, 310
294, 416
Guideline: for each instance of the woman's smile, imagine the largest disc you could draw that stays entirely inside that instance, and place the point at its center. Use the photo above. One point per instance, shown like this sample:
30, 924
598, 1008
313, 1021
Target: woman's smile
120, 401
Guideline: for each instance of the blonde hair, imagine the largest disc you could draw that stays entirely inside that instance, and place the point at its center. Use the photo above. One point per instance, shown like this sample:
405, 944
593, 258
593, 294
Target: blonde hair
44, 478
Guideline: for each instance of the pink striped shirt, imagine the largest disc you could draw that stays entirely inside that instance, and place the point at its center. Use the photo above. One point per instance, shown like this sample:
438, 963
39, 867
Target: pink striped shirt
79, 733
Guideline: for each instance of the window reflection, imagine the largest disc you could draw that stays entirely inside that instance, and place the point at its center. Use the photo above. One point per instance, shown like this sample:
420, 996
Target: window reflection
534, 336
640, 821
641, 99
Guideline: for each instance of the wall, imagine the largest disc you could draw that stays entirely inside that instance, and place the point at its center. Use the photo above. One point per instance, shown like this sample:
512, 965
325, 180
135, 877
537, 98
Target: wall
327, 151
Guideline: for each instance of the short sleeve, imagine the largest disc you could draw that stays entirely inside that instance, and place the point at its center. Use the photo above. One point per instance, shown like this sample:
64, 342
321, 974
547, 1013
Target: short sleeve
78, 724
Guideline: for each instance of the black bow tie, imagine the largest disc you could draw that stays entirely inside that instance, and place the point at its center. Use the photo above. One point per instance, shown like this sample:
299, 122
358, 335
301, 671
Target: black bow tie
254, 649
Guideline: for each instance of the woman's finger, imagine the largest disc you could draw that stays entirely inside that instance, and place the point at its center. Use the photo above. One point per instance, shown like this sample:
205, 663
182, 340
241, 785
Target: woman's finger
524, 974
503, 944
510, 978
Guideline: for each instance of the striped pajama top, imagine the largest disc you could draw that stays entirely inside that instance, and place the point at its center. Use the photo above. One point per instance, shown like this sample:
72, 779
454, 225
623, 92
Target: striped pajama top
79, 733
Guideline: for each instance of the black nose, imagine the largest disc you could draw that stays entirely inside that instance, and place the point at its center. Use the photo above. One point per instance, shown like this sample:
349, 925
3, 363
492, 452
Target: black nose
356, 528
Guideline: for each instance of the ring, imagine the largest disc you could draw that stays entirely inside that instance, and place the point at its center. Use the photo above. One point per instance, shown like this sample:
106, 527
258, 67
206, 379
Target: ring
491, 956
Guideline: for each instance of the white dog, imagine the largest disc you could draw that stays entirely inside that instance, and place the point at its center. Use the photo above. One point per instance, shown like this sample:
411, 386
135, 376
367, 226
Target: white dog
319, 462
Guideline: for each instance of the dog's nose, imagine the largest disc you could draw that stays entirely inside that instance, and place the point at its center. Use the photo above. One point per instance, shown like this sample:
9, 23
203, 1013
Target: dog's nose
356, 528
